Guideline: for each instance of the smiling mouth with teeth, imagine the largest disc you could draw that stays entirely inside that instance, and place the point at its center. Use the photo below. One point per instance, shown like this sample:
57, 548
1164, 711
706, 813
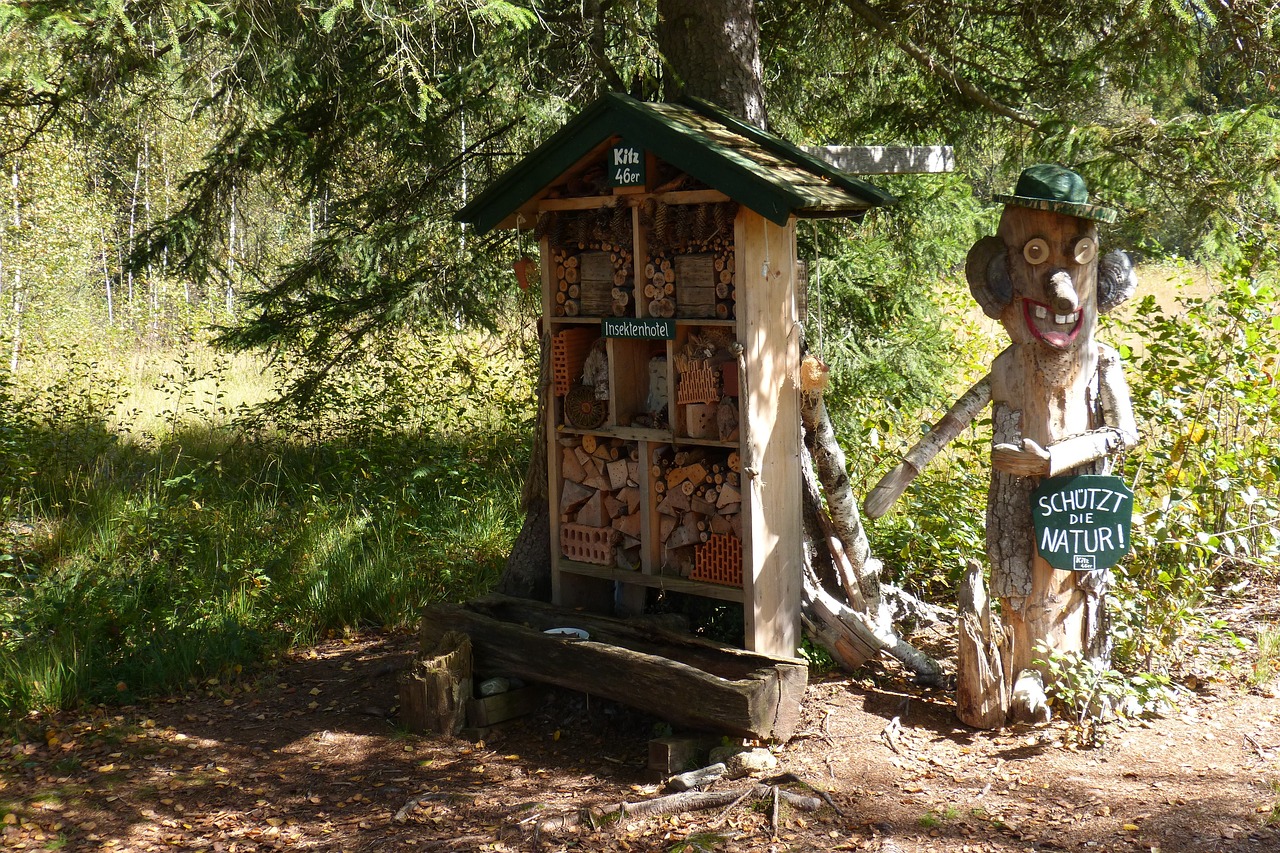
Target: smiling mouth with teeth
1056, 330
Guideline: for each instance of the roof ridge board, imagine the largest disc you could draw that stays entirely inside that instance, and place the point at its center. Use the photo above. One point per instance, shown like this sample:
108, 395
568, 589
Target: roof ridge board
743, 162
783, 147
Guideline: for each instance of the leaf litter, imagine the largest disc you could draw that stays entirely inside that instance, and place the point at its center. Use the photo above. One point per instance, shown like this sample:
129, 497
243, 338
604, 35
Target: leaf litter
307, 755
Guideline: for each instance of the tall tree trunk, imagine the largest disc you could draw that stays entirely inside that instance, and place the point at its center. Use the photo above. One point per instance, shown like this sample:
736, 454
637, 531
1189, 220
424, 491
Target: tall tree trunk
711, 50
528, 570
17, 278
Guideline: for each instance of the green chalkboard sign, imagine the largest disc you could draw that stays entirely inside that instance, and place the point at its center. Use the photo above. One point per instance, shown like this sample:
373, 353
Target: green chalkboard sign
1082, 523
625, 165
648, 328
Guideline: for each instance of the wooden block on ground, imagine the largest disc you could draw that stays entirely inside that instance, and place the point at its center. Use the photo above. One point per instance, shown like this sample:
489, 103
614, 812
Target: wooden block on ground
671, 755
489, 710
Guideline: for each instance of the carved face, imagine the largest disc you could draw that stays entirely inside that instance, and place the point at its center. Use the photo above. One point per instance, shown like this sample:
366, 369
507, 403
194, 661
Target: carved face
1052, 263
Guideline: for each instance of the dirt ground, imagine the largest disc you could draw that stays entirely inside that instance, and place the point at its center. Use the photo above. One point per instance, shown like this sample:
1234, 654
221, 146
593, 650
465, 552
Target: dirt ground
307, 755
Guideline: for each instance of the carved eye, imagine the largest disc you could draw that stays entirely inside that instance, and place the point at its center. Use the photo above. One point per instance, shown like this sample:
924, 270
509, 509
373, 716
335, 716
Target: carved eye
1084, 250
1036, 251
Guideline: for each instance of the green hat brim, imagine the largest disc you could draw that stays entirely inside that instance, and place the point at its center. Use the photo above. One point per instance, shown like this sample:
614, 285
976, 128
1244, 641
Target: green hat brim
1084, 211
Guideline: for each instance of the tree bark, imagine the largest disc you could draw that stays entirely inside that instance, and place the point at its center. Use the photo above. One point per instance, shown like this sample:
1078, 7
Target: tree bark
711, 50
527, 573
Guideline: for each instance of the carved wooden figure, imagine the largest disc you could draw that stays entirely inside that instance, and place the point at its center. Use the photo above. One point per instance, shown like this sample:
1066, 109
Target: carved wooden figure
1060, 405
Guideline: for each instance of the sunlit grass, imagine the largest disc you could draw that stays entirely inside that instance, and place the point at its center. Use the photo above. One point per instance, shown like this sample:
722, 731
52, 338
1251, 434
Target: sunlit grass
148, 536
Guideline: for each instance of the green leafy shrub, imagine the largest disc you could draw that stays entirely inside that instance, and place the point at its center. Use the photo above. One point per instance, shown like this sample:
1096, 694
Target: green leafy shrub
1205, 475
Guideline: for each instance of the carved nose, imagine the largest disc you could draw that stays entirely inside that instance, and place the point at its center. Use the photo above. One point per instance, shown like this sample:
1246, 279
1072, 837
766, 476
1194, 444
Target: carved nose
1061, 291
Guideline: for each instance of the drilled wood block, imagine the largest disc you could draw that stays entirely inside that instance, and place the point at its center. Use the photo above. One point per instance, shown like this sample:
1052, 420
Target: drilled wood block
719, 560
585, 544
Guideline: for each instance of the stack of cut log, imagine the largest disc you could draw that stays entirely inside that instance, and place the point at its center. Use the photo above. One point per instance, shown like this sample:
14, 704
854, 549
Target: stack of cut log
698, 282
600, 501
593, 280
699, 495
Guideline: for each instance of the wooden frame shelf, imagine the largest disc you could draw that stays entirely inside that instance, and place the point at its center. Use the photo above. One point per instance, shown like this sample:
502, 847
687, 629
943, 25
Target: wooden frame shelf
668, 583
638, 535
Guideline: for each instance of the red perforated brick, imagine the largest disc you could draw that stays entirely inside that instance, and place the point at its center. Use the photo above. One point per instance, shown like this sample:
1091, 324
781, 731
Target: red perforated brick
719, 560
568, 351
589, 544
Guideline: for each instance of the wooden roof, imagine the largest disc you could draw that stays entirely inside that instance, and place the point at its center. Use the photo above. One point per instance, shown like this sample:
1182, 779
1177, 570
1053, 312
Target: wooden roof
753, 167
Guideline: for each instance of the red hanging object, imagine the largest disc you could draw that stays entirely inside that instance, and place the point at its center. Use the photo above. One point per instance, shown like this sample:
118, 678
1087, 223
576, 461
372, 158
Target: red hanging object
522, 268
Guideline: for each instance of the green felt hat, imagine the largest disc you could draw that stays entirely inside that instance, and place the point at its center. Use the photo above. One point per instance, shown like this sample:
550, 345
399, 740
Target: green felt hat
1057, 190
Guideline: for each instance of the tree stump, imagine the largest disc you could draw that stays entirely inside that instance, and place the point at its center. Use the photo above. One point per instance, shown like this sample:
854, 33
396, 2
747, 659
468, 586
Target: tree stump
435, 689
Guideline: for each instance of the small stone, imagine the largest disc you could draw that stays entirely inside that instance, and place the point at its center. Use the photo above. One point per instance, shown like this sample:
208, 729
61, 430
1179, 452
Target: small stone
751, 763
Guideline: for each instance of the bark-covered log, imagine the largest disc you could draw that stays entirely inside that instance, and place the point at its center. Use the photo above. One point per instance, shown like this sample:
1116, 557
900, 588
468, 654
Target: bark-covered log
982, 685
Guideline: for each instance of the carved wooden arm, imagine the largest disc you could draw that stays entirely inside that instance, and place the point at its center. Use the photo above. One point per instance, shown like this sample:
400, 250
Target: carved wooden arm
959, 416
1120, 433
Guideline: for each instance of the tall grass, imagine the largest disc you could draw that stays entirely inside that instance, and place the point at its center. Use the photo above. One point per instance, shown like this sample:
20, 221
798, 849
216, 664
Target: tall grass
143, 548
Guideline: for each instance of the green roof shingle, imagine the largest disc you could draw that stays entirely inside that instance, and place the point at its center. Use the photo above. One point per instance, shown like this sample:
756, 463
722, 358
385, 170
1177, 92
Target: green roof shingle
756, 168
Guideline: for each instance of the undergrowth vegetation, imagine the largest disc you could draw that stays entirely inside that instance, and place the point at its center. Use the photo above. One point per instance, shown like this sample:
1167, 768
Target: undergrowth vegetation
142, 549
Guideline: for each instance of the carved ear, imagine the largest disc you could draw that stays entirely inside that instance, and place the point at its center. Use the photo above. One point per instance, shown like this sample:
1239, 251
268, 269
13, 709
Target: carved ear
1116, 280
987, 270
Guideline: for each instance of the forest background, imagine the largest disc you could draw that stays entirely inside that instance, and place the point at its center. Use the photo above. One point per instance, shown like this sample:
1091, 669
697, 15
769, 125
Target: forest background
258, 387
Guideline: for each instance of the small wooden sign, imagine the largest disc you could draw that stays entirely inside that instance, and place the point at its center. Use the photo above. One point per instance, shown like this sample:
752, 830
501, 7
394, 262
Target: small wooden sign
627, 327
625, 165
1082, 522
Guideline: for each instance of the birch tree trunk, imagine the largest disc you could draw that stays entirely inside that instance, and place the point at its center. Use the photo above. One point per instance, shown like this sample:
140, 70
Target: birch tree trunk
17, 278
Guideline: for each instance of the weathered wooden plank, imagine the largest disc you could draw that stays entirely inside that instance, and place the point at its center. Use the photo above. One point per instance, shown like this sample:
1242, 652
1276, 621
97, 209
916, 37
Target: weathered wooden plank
772, 534
677, 677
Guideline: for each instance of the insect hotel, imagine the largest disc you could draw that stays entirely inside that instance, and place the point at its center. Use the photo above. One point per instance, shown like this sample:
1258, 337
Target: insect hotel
673, 299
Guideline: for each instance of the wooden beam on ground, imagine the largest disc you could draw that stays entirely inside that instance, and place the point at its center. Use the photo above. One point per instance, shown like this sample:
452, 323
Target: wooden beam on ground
680, 678
886, 159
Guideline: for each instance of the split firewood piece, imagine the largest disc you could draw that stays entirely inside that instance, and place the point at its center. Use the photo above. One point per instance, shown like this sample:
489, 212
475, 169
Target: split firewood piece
686, 534
570, 467
573, 495
617, 473
592, 512
674, 503
729, 494
628, 525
